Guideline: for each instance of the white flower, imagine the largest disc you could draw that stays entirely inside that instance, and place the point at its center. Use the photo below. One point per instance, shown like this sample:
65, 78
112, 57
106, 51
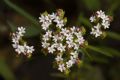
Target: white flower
105, 18
64, 31
100, 14
92, 18
56, 45
69, 63
80, 40
45, 44
47, 18
59, 58
15, 45
70, 44
21, 30
61, 67
42, 18
103, 22
51, 49
97, 26
106, 24
76, 46
59, 22
59, 40
78, 34
45, 37
56, 38
96, 32
73, 59
20, 49
46, 21
45, 25
61, 48
29, 49
15, 40
49, 33
69, 37
74, 54
73, 29
53, 16
57, 19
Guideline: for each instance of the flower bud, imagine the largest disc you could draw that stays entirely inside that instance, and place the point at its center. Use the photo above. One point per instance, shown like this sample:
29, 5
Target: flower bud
60, 13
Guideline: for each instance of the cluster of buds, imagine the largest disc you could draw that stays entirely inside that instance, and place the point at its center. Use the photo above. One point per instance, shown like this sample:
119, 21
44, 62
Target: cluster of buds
60, 41
19, 44
101, 22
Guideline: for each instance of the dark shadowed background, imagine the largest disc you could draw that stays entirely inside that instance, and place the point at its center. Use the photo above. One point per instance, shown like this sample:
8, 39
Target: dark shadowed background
105, 53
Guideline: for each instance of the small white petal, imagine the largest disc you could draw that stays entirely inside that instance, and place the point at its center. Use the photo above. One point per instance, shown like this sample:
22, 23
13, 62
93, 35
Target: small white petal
61, 67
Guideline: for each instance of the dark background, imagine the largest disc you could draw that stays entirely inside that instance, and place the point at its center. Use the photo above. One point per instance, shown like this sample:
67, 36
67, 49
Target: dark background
39, 66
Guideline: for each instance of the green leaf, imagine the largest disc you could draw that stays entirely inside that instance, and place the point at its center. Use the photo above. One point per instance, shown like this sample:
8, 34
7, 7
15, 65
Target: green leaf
93, 57
113, 35
105, 50
5, 71
100, 50
99, 59
84, 51
112, 51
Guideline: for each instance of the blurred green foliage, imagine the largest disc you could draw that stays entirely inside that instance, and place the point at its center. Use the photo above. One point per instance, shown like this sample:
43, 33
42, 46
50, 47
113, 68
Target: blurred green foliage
5, 71
92, 4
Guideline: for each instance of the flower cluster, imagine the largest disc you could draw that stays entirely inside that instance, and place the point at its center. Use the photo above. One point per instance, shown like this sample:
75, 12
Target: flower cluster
47, 19
60, 41
20, 46
102, 21
63, 42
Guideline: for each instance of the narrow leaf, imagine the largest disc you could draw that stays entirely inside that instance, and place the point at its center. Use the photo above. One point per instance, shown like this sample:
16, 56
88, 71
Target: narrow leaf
99, 50
113, 35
